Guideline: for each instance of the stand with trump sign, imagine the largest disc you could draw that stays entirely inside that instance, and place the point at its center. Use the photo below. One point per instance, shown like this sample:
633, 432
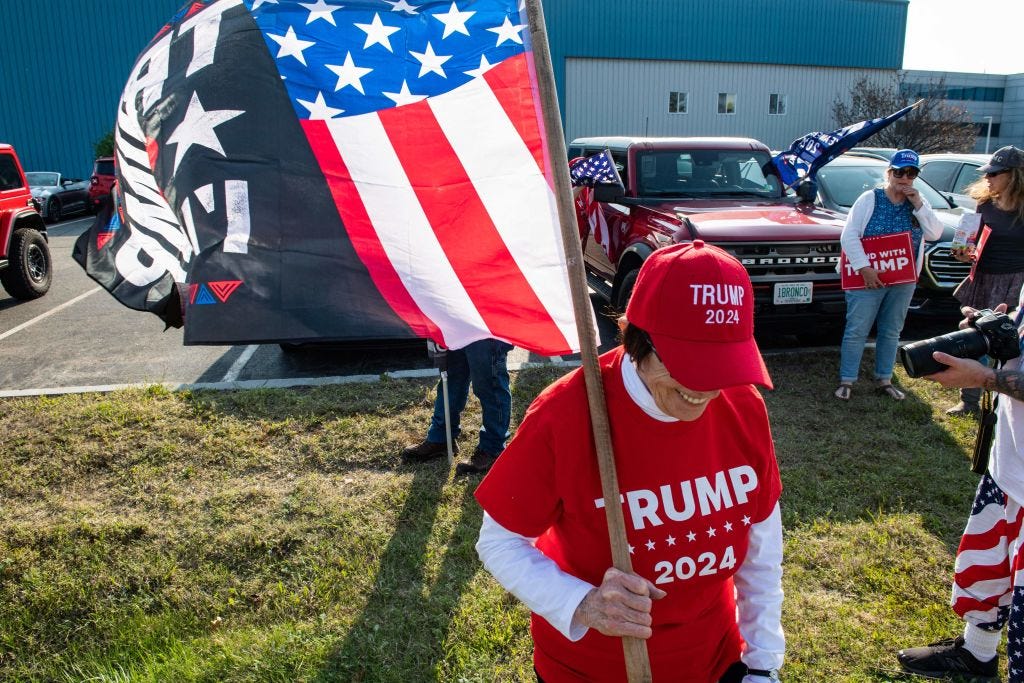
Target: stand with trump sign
891, 255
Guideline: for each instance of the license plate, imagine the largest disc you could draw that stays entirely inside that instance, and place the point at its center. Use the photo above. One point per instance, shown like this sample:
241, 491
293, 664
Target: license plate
793, 292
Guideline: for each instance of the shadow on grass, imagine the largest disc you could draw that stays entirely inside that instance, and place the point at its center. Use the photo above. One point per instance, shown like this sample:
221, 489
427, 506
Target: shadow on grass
401, 632
870, 454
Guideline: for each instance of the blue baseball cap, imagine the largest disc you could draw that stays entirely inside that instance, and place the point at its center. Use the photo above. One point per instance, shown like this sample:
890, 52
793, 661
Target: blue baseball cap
905, 158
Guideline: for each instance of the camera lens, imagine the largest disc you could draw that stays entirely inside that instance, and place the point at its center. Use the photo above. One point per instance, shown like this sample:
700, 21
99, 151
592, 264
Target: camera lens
917, 358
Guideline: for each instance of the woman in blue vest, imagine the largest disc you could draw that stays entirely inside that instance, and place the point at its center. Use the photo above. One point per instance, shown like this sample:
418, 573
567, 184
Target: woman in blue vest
895, 207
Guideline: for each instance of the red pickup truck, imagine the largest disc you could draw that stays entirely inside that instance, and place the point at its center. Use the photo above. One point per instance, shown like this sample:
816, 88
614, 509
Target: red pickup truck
722, 191
25, 265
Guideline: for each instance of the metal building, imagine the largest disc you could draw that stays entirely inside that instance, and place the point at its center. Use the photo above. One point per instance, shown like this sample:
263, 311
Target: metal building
756, 68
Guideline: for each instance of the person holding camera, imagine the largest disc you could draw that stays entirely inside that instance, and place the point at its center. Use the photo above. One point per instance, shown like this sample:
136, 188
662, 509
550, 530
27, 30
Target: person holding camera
988, 582
998, 273
894, 208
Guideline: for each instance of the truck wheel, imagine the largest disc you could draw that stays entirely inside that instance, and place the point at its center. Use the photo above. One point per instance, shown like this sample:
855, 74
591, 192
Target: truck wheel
626, 289
29, 272
53, 211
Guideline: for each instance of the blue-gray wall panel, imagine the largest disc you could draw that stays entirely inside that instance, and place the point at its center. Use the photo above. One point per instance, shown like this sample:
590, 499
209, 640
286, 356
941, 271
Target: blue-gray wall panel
63, 67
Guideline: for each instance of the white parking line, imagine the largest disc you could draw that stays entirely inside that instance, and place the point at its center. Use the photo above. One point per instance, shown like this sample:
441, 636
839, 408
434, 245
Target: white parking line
236, 367
50, 312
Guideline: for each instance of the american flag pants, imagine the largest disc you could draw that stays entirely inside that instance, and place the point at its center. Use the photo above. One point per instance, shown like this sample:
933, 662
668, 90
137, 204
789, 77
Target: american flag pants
988, 586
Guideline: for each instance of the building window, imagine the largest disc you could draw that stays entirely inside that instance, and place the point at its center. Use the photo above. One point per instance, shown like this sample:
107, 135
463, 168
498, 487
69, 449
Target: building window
676, 102
983, 129
726, 103
777, 104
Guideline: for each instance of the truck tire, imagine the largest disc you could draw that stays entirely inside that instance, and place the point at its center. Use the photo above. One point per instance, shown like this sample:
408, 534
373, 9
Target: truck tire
30, 270
626, 290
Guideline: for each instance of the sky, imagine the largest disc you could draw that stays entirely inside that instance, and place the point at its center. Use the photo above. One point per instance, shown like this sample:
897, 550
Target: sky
974, 36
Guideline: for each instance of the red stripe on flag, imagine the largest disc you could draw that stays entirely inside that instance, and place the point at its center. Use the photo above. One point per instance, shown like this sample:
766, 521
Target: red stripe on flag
362, 235
477, 254
968, 576
510, 81
964, 605
984, 540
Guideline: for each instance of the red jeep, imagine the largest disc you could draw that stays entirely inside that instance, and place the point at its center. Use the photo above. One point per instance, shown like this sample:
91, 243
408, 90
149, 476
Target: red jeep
101, 182
722, 191
25, 266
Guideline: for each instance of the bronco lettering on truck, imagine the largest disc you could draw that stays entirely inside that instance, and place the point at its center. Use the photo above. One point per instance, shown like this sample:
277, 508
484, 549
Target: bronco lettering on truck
725, 192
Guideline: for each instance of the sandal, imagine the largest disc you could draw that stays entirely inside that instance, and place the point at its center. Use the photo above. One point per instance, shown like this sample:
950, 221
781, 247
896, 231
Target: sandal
843, 392
890, 391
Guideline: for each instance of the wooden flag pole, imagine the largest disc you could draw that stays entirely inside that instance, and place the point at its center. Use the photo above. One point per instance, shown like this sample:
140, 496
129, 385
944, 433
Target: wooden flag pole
638, 667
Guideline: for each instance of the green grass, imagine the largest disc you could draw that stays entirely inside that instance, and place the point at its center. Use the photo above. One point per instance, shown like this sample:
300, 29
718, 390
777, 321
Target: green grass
274, 535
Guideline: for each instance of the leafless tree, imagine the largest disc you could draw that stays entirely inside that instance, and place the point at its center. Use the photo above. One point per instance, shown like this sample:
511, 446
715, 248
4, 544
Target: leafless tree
934, 126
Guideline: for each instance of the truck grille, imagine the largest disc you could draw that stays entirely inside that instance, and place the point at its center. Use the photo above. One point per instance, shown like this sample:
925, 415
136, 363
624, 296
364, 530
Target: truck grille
787, 261
943, 268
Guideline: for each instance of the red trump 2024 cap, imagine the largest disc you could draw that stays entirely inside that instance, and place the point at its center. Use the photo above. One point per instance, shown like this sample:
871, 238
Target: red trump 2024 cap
697, 304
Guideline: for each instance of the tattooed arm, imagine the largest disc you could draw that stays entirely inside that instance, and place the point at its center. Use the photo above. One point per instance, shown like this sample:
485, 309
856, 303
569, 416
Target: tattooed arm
967, 373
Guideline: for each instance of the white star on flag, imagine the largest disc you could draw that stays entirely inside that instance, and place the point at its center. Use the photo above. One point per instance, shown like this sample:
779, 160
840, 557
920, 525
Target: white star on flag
348, 74
508, 31
431, 62
197, 129
485, 66
291, 46
318, 110
403, 96
377, 33
321, 10
454, 21
402, 6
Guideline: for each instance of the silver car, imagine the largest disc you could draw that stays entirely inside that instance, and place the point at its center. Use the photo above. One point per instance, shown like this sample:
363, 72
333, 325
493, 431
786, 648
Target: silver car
951, 174
58, 196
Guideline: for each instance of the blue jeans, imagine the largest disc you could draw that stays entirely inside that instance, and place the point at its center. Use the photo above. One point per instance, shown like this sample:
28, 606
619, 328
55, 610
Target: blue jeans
482, 363
885, 307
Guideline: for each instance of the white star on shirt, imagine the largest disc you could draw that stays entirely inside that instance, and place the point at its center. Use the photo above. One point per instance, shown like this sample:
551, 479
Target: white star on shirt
318, 110
430, 62
671, 540
291, 46
711, 532
746, 520
402, 6
630, 550
691, 536
508, 31
256, 3
197, 129
485, 66
454, 21
650, 545
348, 74
377, 33
403, 96
321, 10
728, 526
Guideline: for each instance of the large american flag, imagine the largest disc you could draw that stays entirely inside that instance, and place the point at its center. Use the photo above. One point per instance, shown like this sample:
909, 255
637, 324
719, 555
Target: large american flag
352, 169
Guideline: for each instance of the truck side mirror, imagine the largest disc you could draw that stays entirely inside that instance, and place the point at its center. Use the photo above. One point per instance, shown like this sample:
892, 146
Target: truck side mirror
608, 192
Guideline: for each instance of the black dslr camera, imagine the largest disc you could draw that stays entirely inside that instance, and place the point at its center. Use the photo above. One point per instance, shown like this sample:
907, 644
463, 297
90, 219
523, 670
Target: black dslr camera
990, 333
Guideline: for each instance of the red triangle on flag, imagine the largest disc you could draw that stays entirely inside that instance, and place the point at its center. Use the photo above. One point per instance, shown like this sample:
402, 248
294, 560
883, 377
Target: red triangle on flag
102, 238
224, 288
192, 289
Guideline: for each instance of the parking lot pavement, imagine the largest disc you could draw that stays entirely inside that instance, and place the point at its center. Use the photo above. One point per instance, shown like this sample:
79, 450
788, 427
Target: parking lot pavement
78, 337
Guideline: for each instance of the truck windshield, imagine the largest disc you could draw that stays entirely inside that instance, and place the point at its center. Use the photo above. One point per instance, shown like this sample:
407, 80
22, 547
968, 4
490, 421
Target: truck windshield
706, 173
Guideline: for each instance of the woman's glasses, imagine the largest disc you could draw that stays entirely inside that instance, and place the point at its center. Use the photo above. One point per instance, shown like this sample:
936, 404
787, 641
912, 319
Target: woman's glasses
993, 174
908, 172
